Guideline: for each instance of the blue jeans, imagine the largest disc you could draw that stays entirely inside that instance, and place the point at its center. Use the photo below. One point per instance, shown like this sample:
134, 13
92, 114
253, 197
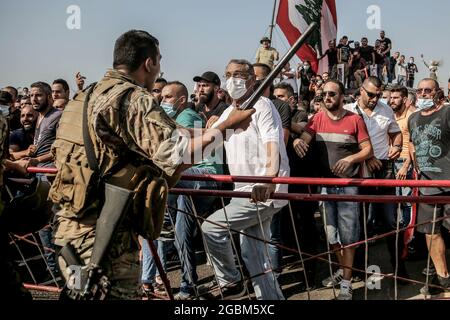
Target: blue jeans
406, 208
149, 269
343, 225
46, 235
186, 225
275, 253
243, 215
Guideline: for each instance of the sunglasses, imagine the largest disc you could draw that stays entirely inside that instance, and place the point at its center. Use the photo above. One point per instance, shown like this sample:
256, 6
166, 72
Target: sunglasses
372, 95
424, 90
330, 94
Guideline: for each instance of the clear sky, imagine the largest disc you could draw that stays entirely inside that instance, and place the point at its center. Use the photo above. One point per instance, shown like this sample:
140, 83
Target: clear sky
195, 35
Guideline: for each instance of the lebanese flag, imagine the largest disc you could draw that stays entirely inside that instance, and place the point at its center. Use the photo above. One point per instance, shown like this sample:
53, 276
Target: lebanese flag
293, 18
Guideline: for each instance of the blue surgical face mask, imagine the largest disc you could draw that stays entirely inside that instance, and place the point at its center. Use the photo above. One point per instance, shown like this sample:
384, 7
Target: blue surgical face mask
424, 104
169, 109
4, 110
384, 101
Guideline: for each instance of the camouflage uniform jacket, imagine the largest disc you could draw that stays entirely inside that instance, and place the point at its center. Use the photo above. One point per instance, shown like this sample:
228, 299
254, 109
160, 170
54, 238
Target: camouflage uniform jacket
136, 129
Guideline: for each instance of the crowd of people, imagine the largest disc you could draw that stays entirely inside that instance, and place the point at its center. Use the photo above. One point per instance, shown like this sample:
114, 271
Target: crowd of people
370, 125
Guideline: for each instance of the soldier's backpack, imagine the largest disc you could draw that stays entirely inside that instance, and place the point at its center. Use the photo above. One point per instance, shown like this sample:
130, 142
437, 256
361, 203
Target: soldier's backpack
77, 186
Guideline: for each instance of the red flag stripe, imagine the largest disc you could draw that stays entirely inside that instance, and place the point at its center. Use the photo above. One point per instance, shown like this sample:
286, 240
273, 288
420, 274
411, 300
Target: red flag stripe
292, 34
332, 6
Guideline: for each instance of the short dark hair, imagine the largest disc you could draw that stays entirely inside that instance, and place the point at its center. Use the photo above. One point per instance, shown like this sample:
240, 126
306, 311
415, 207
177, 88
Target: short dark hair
285, 86
63, 83
375, 81
6, 97
264, 66
133, 47
12, 89
339, 84
161, 80
184, 90
401, 89
44, 86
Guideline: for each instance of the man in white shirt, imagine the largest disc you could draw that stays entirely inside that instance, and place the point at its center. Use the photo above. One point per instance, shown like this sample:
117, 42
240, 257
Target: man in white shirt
258, 150
387, 142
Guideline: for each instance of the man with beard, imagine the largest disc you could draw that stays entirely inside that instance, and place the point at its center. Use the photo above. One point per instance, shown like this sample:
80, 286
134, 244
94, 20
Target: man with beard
403, 165
21, 140
343, 144
387, 142
157, 89
47, 123
45, 135
209, 105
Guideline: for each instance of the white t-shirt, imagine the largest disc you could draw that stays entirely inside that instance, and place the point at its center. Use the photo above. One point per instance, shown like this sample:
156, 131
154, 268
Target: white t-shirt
379, 125
291, 81
245, 150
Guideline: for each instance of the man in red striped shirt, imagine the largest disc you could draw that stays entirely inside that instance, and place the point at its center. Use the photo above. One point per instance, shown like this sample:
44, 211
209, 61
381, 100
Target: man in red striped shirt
342, 144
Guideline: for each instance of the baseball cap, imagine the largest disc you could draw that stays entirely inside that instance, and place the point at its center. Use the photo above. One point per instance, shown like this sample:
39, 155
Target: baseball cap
208, 76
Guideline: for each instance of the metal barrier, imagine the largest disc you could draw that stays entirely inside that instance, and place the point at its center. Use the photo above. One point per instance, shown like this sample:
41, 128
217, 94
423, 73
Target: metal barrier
308, 197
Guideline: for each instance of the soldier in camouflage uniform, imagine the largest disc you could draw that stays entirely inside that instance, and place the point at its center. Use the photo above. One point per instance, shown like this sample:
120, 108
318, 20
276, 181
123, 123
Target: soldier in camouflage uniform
125, 124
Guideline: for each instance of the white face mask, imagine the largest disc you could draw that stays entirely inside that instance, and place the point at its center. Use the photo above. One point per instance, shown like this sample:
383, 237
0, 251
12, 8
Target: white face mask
384, 101
424, 104
236, 88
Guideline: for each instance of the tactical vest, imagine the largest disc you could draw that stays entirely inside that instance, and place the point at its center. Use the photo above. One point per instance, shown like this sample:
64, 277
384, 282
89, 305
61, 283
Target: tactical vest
73, 184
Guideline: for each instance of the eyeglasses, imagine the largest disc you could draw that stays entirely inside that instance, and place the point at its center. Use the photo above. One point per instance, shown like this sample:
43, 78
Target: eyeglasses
424, 91
240, 75
330, 94
372, 95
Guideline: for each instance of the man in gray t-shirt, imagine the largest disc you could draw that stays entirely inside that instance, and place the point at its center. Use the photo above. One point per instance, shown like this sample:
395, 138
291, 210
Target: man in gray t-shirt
429, 143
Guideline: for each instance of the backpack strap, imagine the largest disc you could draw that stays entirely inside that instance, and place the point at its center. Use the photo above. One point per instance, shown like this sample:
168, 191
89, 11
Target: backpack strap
88, 145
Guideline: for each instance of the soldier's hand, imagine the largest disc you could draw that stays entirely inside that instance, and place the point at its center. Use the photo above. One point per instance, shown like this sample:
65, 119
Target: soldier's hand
239, 119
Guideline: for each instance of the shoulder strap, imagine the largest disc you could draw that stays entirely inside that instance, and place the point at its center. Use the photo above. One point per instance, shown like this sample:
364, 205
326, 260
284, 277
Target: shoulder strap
88, 145
358, 109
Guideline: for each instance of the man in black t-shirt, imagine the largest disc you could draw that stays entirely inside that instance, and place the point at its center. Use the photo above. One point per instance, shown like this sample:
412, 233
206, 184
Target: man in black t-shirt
367, 52
332, 54
411, 69
429, 130
21, 140
344, 52
303, 212
387, 43
209, 105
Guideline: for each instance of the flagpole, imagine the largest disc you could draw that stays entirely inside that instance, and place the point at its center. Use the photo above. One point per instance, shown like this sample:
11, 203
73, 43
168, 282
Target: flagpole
273, 19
